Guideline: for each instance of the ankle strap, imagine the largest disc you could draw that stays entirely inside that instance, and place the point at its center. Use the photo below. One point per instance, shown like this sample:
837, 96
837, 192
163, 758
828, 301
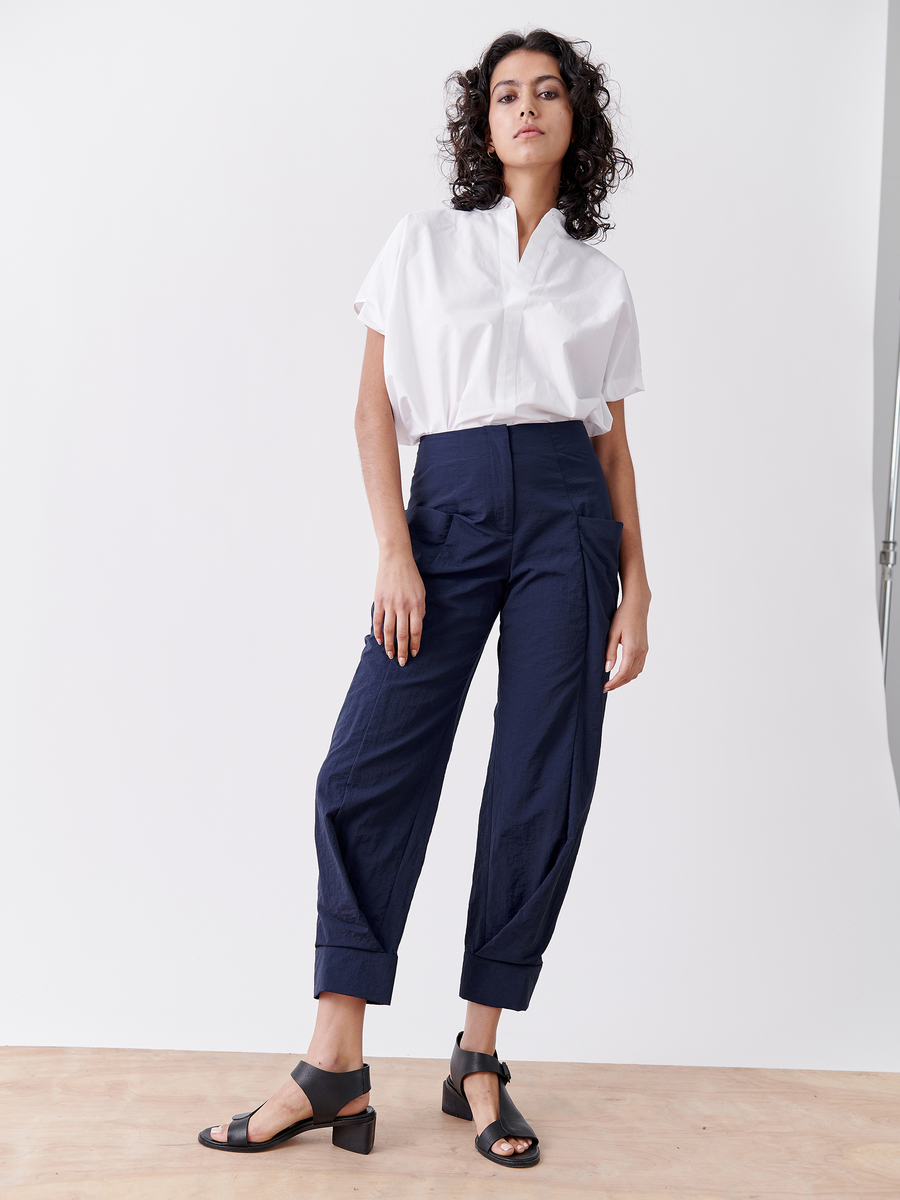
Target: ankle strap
329, 1091
468, 1062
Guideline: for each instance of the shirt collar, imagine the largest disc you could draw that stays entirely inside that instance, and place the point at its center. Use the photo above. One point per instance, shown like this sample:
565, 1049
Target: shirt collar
552, 215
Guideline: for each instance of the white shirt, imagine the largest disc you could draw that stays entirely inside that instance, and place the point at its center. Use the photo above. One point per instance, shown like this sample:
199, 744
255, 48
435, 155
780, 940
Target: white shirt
473, 336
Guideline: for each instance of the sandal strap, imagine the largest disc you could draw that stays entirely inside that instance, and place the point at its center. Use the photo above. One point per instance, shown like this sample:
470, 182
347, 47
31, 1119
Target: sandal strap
510, 1122
470, 1062
499, 1129
237, 1128
490, 1134
514, 1124
329, 1091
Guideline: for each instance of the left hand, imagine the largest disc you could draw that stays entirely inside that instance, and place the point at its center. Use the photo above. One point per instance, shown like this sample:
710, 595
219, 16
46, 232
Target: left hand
628, 629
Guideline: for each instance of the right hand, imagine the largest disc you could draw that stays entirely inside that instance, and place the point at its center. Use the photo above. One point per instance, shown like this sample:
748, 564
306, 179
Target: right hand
399, 604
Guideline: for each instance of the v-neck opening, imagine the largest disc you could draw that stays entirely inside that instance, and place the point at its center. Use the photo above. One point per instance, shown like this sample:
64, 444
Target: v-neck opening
531, 236
518, 274
548, 217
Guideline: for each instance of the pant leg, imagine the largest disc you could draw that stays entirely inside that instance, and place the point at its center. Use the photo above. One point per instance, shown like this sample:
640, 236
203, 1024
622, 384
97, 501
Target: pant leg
378, 788
559, 600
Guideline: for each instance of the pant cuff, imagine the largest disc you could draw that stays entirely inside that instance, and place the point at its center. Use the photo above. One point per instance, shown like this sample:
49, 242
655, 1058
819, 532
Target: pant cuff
497, 984
362, 973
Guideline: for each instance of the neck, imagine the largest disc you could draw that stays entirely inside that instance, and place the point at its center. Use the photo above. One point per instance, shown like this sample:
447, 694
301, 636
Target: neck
534, 192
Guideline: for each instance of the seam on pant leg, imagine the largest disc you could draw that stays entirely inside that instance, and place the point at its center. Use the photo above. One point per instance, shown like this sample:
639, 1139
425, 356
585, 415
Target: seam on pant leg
424, 792
475, 950
586, 607
337, 810
488, 790
363, 736
400, 857
583, 685
574, 829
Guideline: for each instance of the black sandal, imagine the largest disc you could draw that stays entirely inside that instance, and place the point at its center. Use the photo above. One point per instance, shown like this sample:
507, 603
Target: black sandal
510, 1123
327, 1092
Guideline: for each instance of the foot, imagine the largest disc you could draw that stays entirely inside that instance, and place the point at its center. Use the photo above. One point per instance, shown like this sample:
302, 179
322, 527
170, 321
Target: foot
287, 1106
483, 1095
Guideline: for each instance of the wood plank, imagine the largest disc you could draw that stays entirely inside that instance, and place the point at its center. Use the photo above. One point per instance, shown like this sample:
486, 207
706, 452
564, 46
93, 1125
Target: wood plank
84, 1124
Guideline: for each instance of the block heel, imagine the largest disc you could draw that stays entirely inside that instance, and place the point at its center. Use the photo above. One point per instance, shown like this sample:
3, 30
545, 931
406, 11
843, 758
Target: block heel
357, 1136
327, 1092
510, 1123
454, 1104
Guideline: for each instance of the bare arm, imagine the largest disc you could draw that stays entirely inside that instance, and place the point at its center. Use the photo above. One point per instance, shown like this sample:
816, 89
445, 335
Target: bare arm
629, 625
399, 590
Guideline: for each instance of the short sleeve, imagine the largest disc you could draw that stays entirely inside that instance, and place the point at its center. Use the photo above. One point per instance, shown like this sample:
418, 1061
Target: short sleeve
623, 365
374, 296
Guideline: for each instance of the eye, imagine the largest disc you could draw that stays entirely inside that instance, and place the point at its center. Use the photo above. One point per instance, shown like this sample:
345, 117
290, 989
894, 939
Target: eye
508, 96
549, 92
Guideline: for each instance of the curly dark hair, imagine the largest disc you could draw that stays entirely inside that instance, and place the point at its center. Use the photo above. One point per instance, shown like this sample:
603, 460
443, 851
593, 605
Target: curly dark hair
593, 166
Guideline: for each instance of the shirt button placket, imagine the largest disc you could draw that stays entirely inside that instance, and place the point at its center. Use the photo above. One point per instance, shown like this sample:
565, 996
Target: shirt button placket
513, 311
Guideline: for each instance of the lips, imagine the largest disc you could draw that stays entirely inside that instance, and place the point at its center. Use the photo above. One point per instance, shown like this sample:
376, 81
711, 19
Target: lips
529, 131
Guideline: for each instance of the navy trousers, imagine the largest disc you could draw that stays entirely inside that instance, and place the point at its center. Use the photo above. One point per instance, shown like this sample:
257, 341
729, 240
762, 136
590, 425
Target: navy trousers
508, 520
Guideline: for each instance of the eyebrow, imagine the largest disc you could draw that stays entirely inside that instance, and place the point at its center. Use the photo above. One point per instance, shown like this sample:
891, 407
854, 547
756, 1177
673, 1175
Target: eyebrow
538, 79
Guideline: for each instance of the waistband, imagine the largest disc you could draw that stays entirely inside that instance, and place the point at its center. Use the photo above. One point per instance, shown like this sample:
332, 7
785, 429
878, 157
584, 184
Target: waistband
520, 435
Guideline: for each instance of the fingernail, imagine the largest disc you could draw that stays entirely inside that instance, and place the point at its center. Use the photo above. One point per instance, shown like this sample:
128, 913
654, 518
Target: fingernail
609, 666
401, 661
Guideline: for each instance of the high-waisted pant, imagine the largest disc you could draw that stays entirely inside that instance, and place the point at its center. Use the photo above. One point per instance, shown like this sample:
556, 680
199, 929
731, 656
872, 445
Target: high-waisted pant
512, 520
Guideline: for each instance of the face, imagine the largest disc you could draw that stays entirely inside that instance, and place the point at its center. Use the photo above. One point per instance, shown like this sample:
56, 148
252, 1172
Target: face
529, 119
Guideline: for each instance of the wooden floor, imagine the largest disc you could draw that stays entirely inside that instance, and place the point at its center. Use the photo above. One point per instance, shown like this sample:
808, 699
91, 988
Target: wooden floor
122, 1125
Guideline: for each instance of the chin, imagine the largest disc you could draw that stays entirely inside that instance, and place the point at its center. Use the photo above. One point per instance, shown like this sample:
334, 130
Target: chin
531, 160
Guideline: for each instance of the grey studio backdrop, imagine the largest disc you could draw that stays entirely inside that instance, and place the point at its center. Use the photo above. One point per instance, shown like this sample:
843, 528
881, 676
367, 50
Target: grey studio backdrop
192, 195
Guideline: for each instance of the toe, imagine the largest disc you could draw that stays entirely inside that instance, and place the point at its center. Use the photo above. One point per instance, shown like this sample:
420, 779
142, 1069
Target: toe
503, 1147
219, 1133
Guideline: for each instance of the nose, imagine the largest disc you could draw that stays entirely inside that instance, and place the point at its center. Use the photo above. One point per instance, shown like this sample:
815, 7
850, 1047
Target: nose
530, 111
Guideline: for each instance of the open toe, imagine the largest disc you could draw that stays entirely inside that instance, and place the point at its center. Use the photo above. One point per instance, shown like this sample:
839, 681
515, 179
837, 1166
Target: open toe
510, 1123
327, 1092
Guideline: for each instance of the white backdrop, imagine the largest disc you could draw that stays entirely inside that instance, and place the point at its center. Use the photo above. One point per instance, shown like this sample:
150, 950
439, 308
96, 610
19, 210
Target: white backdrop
192, 193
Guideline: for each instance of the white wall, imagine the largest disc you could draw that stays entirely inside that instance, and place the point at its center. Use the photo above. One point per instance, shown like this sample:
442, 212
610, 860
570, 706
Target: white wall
193, 193
887, 343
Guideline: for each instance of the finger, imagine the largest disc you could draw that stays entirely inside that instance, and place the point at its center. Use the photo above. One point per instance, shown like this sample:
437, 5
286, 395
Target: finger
612, 653
631, 666
622, 676
402, 637
415, 631
390, 625
378, 622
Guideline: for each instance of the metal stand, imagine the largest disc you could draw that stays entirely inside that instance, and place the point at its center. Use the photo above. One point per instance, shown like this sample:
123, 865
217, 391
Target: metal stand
888, 556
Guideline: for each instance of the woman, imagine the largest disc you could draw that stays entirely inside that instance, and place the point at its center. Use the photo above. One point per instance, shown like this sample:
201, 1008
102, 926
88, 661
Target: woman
503, 346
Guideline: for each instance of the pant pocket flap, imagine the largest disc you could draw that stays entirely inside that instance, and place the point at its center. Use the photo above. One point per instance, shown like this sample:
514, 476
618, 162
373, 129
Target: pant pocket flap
428, 531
